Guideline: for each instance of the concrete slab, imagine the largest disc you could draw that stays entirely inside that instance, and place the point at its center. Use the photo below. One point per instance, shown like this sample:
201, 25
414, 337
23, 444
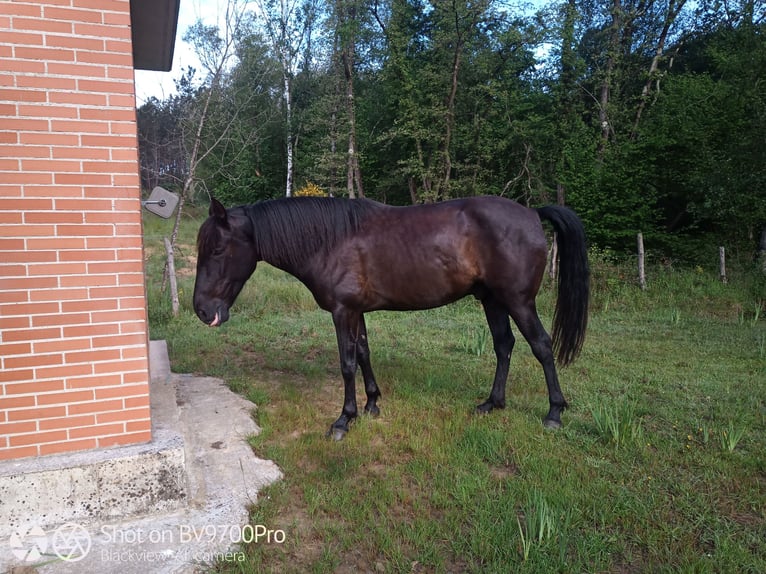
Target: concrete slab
173, 505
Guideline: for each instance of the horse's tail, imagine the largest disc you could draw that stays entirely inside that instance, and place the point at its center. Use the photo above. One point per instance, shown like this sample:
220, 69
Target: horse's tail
571, 316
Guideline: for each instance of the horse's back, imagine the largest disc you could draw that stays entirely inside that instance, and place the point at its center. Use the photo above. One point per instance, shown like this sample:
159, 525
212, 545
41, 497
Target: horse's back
429, 255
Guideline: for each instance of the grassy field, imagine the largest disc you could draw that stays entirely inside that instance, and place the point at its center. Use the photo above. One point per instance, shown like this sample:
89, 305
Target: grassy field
660, 466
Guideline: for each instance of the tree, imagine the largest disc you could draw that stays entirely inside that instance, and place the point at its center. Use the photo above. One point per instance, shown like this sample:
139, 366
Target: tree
289, 24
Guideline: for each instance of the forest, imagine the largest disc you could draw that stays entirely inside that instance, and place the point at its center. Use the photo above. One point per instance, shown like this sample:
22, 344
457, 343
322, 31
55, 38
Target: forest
641, 115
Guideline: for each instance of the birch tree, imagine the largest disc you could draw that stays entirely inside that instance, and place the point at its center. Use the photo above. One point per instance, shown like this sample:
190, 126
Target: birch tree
288, 24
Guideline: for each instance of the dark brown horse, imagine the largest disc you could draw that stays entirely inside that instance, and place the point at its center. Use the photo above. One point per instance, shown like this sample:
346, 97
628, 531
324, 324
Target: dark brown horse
358, 255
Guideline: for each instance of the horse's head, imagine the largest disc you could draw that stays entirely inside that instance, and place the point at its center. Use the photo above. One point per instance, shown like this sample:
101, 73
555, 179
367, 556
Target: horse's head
226, 259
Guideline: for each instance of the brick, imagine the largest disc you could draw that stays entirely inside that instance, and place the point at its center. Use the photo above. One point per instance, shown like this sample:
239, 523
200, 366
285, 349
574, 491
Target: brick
20, 9
94, 407
8, 323
60, 243
67, 422
108, 140
81, 153
127, 415
92, 356
77, 98
72, 15
109, 57
17, 95
136, 377
45, 54
8, 349
25, 124
75, 42
105, 5
67, 372
124, 439
26, 386
90, 330
47, 191
7, 217
11, 244
77, 71
31, 335
13, 283
62, 319
108, 114
89, 305
88, 255
68, 446
135, 402
116, 316
26, 230
32, 361
29, 309
16, 453
122, 391
43, 110
50, 139
61, 345
117, 19
16, 402
36, 413
121, 366
18, 427
46, 82
59, 294
103, 31
57, 269
136, 327
9, 137
37, 438
97, 431
139, 425
22, 38
94, 382
21, 151
79, 127
21, 67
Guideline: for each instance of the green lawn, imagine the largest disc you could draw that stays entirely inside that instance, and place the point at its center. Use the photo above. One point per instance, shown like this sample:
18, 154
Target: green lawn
660, 466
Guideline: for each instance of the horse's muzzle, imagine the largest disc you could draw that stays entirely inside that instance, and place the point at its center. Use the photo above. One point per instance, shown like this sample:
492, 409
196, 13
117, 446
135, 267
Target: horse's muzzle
213, 317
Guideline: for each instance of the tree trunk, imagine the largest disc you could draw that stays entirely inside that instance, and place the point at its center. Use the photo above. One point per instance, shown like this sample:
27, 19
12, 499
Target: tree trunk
287, 96
354, 177
674, 8
606, 84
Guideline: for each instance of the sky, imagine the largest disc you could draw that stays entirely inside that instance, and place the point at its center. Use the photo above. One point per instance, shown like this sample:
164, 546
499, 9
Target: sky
160, 84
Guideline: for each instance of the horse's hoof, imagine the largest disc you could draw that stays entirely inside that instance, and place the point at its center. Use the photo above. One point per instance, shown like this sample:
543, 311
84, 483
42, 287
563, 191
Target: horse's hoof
373, 411
551, 424
487, 407
336, 433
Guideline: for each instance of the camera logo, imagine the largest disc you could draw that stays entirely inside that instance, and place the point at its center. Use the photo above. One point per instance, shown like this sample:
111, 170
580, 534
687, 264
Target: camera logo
69, 542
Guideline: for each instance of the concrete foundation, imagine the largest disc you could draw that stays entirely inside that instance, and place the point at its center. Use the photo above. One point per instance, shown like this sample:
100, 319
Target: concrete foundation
173, 505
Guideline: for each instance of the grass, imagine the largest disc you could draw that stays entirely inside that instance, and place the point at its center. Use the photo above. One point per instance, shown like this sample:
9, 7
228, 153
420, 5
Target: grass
660, 465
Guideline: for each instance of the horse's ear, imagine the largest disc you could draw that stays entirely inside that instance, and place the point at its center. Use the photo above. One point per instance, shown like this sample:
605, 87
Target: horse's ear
218, 211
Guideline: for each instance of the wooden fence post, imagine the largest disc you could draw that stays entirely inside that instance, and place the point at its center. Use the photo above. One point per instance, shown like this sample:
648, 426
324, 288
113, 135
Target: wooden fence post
554, 257
641, 273
172, 276
722, 264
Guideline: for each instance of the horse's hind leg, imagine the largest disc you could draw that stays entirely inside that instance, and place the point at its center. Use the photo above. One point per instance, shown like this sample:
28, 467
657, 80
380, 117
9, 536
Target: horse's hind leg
503, 341
363, 358
528, 321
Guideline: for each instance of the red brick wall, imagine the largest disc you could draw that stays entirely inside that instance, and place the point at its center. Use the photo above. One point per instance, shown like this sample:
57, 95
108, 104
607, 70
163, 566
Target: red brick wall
73, 326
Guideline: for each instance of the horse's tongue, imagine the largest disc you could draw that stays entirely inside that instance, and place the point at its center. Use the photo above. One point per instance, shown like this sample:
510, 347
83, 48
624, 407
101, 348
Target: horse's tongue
215, 321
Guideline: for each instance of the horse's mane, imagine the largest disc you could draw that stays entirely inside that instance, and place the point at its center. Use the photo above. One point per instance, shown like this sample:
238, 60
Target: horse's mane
288, 231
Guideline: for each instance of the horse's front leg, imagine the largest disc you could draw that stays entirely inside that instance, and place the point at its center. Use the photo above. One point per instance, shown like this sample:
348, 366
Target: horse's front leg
363, 357
347, 330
